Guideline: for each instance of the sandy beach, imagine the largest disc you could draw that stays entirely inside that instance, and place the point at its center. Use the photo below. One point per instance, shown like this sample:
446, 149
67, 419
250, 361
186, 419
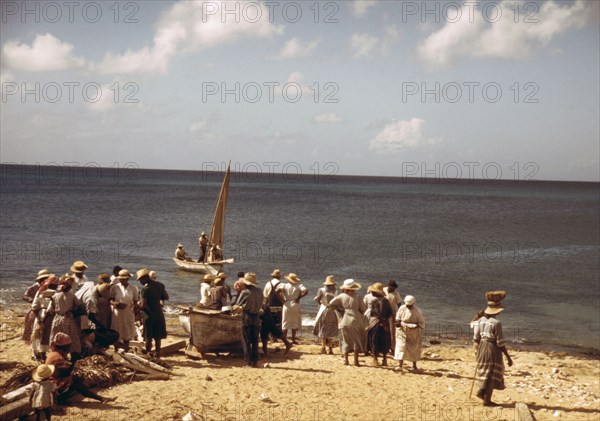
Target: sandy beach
309, 386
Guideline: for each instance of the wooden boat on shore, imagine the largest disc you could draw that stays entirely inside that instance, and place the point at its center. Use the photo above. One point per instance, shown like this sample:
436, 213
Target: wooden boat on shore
213, 263
214, 331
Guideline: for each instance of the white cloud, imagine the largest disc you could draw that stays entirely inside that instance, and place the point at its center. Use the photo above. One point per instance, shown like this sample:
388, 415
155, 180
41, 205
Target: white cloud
328, 118
204, 123
6, 76
362, 44
502, 39
399, 135
360, 8
191, 26
294, 49
46, 53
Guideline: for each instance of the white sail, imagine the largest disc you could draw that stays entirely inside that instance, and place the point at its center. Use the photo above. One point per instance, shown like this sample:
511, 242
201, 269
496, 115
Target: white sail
217, 232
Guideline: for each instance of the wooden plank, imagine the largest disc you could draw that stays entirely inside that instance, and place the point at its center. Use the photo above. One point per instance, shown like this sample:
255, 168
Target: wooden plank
136, 367
166, 349
15, 410
523, 413
19, 393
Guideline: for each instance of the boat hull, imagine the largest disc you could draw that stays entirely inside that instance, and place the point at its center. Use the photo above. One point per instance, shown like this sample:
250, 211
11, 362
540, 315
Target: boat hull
213, 331
199, 267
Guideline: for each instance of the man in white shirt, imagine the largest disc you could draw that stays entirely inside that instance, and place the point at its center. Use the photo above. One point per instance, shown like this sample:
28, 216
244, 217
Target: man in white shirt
205, 299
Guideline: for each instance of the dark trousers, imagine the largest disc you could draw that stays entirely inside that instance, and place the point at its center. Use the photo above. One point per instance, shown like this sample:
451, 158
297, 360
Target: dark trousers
47, 411
250, 333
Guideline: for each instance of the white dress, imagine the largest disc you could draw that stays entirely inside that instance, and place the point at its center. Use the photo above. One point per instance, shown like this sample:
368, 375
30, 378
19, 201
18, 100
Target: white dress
291, 317
409, 335
123, 320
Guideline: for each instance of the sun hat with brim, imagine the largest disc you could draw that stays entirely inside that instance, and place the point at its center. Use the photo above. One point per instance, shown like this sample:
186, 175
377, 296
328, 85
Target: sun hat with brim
376, 288
61, 339
179, 245
249, 278
292, 278
42, 372
142, 272
43, 274
124, 274
494, 302
221, 275
104, 277
208, 278
78, 267
350, 284
218, 280
330, 280
276, 272
409, 300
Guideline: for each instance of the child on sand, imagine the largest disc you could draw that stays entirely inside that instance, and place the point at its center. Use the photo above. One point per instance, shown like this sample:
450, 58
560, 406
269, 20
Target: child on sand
42, 396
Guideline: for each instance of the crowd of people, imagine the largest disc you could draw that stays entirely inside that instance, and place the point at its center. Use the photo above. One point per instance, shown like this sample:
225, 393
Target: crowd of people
73, 315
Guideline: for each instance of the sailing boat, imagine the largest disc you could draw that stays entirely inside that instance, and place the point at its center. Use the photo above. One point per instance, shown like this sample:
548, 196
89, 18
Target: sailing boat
213, 259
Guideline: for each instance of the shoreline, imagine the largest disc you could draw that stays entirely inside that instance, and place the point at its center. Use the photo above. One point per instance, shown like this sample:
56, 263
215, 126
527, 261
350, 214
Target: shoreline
310, 386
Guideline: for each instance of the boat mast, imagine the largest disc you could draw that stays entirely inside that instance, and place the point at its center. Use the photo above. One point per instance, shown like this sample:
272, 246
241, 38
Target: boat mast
217, 230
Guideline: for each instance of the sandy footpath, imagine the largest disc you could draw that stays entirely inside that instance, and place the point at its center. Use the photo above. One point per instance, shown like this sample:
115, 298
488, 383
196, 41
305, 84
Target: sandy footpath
309, 386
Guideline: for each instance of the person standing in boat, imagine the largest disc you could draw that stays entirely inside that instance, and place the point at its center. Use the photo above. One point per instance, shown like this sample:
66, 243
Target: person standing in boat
203, 242
290, 295
326, 322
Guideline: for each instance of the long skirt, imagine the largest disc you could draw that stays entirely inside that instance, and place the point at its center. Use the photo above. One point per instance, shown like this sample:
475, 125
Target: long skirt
292, 318
490, 365
326, 324
353, 336
408, 344
66, 324
378, 337
40, 338
123, 321
28, 326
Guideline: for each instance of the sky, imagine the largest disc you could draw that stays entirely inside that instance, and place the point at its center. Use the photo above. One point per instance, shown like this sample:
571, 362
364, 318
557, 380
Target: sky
447, 90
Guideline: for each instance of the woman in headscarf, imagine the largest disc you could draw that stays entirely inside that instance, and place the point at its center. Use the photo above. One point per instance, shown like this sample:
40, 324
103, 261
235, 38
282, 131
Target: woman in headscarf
352, 322
409, 333
489, 343
326, 322
42, 325
124, 297
63, 304
378, 331
29, 296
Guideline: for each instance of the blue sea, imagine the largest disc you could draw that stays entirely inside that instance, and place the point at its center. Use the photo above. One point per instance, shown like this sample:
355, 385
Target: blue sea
444, 242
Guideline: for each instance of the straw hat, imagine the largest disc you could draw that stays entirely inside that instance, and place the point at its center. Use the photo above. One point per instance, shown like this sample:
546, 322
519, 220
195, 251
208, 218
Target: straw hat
349, 284
250, 278
78, 267
124, 274
276, 273
221, 275
376, 288
43, 274
65, 281
42, 372
61, 339
409, 300
494, 301
202, 234
142, 272
208, 278
218, 280
179, 245
292, 278
330, 280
